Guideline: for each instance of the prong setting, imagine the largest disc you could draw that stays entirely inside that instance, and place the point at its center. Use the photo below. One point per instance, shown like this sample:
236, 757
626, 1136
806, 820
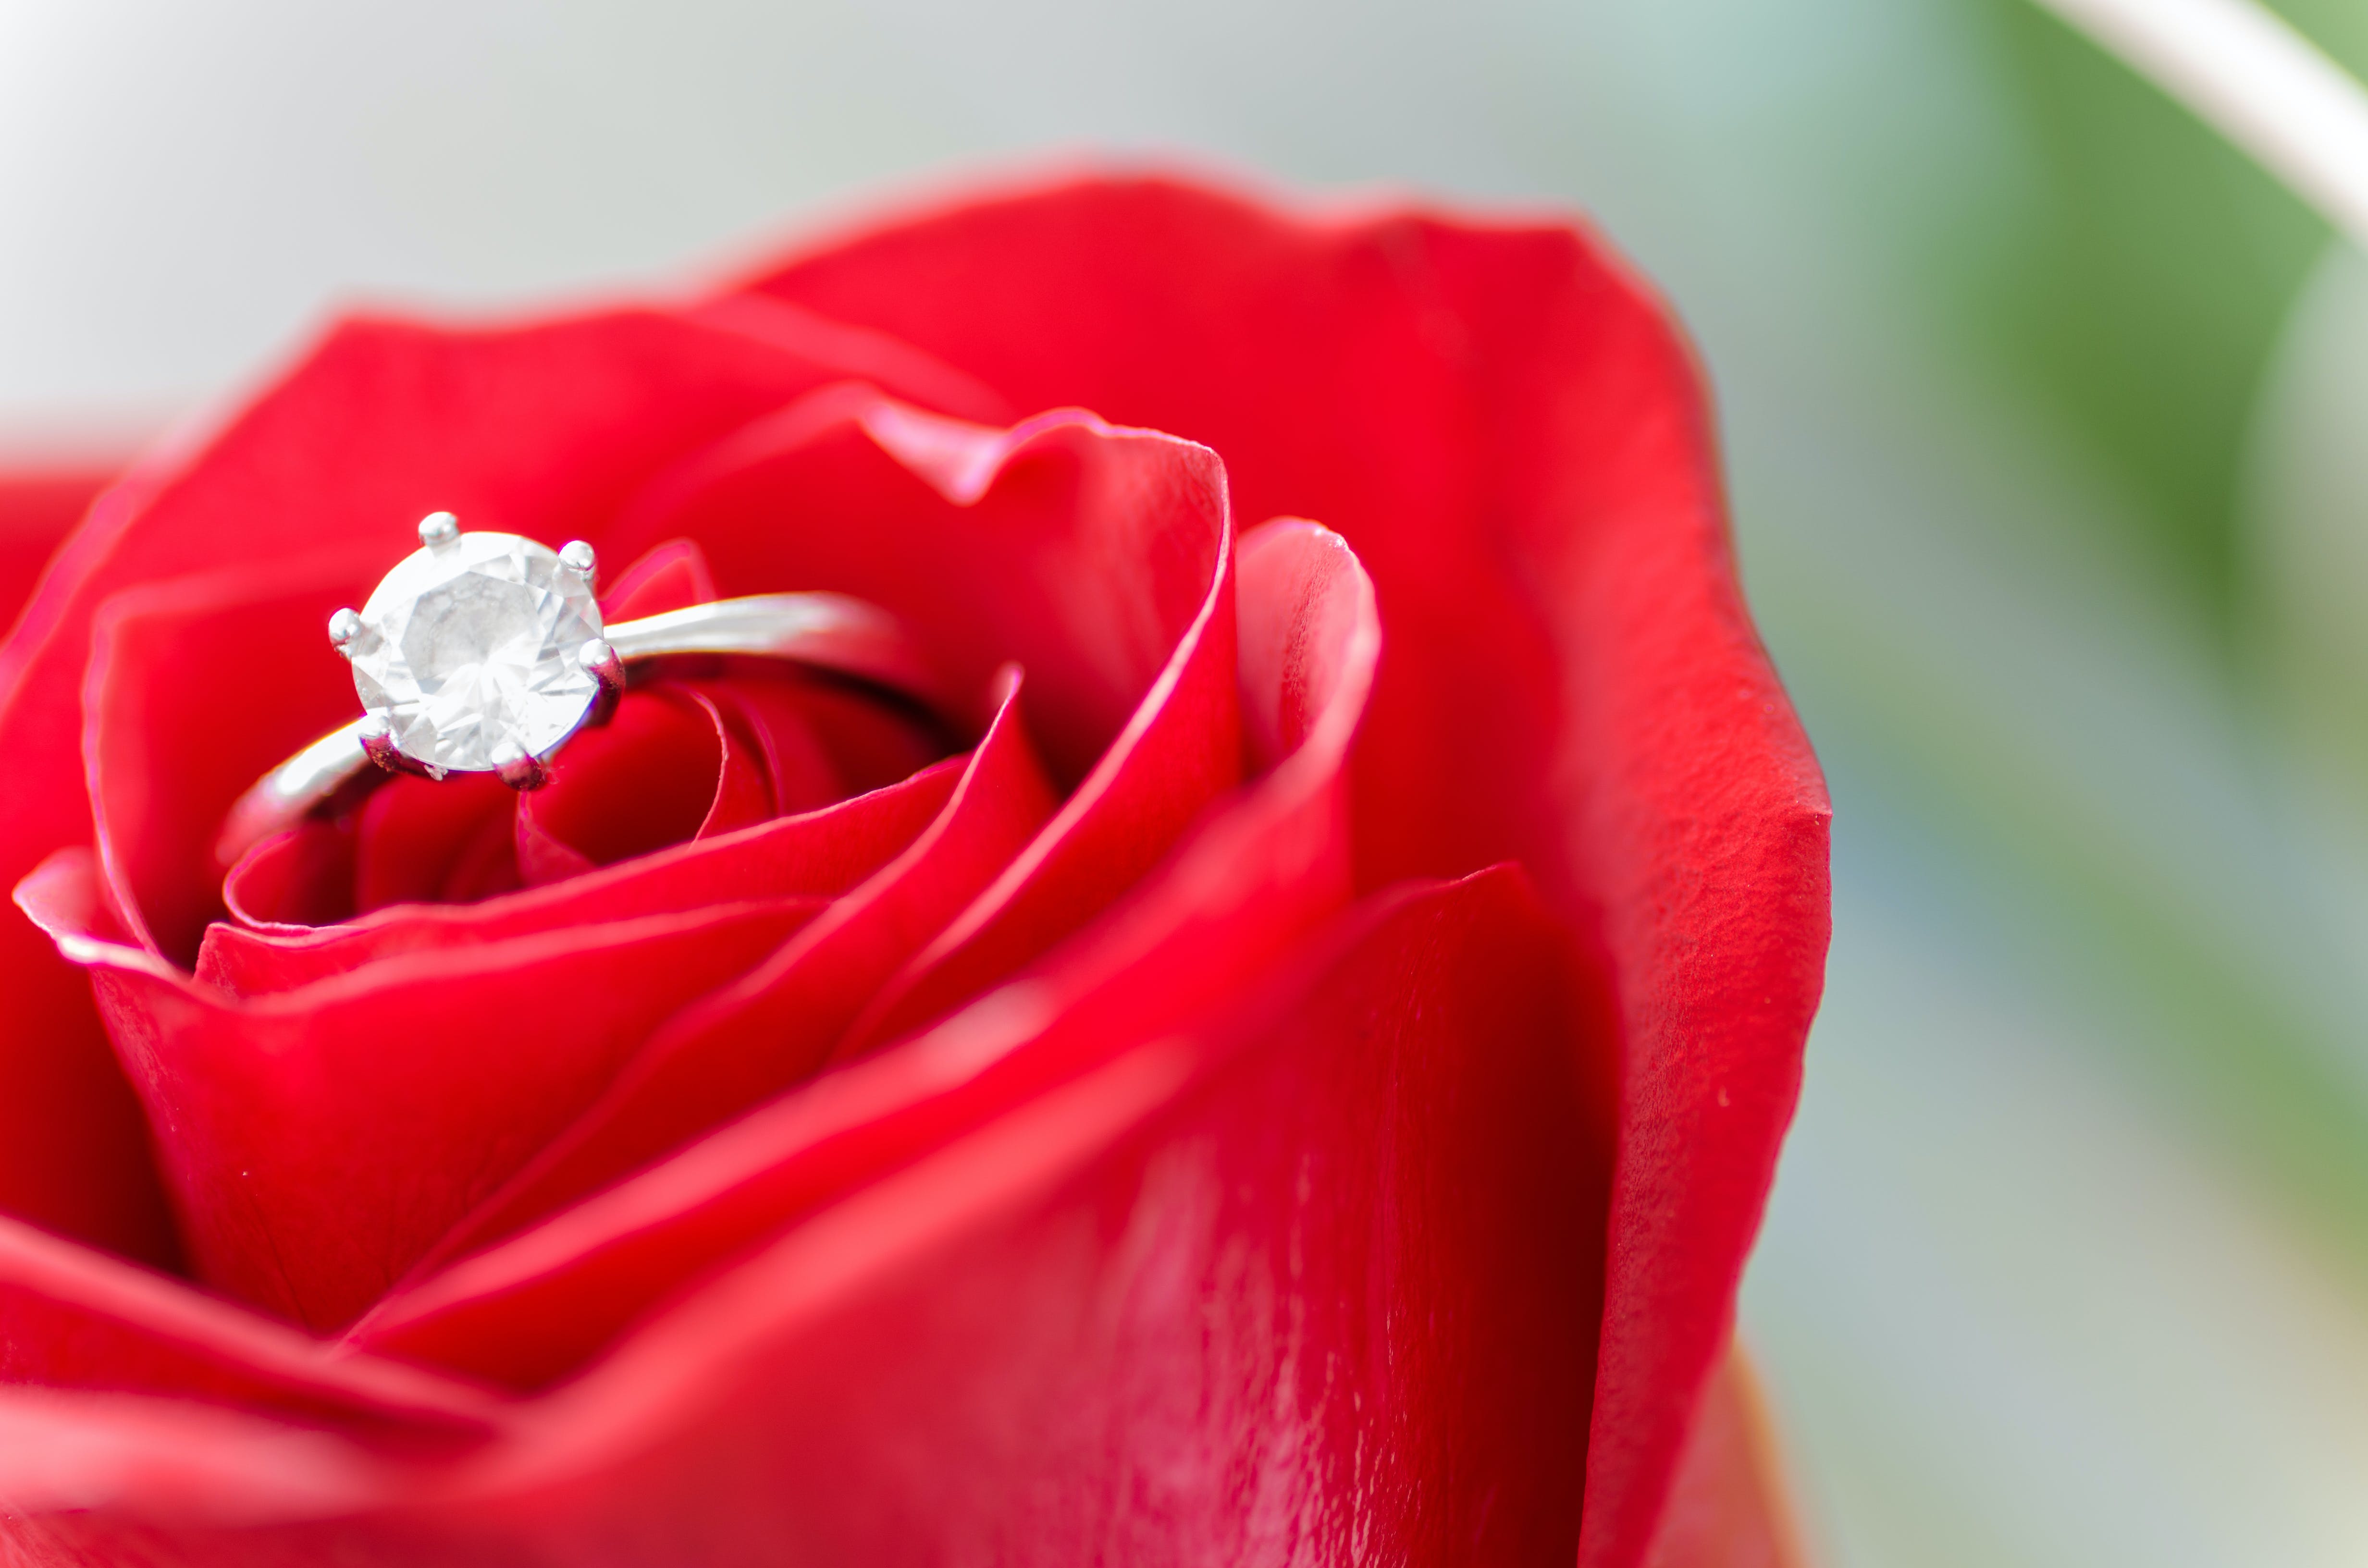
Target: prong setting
437, 529
601, 659
578, 556
378, 745
520, 770
343, 626
474, 642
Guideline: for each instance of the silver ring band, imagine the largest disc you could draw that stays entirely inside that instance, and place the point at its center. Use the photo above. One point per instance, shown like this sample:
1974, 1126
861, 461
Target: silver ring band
826, 632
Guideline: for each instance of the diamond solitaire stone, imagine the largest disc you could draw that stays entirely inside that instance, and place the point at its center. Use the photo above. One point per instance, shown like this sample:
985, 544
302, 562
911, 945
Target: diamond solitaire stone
471, 650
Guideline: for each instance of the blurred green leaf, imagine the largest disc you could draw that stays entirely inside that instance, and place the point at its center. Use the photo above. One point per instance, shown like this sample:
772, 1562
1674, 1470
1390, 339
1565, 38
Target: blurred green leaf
2136, 289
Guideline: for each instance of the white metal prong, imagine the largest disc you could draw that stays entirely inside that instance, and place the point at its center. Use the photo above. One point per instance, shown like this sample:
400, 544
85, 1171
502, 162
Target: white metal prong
343, 626
437, 529
518, 770
378, 745
601, 659
577, 557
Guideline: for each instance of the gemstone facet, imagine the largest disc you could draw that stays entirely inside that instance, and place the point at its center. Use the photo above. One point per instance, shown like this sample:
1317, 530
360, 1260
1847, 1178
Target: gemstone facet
471, 650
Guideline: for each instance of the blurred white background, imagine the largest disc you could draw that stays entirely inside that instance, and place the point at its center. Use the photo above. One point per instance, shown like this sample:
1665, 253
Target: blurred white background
2041, 438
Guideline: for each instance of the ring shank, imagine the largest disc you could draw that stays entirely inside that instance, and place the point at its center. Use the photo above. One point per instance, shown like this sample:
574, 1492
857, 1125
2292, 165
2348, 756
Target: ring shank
826, 632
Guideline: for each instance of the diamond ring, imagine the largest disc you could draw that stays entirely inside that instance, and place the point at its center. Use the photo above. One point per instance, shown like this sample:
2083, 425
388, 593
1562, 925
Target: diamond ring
482, 653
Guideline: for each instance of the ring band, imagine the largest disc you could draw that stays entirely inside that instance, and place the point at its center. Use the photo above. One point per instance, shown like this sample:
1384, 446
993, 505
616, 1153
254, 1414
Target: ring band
827, 632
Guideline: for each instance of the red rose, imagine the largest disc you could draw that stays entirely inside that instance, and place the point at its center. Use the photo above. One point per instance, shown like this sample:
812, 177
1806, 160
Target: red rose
1288, 1071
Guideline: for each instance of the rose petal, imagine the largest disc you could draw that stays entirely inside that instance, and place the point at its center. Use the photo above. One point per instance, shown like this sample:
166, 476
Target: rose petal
1516, 438
819, 738
318, 1141
858, 353
71, 1318
1395, 1139
1728, 1505
748, 775
292, 881
1313, 1285
66, 1454
1246, 891
38, 509
1352, 371
656, 775
1511, 433
669, 575
776, 1024
869, 742
819, 854
72, 1105
1311, 1275
174, 733
447, 841
692, 759
1145, 527
1181, 750
1081, 551
534, 428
